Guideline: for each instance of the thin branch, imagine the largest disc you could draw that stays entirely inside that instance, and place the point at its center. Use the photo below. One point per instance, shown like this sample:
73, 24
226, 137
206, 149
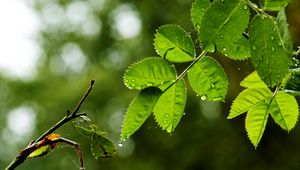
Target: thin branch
33, 145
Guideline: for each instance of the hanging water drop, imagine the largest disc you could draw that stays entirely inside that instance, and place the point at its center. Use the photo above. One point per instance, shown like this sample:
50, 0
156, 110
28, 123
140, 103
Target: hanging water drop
120, 145
203, 97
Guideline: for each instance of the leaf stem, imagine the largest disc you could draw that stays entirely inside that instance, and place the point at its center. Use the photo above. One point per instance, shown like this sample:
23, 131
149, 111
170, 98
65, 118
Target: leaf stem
185, 71
32, 146
254, 6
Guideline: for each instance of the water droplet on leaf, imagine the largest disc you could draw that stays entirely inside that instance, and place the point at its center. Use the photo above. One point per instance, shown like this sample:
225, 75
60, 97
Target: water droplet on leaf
245, 7
203, 97
272, 37
166, 115
254, 47
273, 48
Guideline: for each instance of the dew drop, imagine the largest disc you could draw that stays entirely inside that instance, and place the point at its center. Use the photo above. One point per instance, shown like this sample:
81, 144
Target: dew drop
203, 9
120, 145
166, 115
254, 47
245, 7
212, 85
272, 37
203, 97
279, 43
224, 49
273, 48
183, 113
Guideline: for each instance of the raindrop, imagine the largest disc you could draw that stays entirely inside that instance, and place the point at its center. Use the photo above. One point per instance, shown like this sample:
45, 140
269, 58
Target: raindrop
221, 37
212, 85
183, 113
203, 97
254, 47
272, 37
203, 9
224, 49
273, 48
120, 145
245, 7
279, 43
166, 115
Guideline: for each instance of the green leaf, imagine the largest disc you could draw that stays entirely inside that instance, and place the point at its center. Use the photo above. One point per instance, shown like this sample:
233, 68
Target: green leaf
253, 81
174, 44
223, 23
275, 5
138, 111
197, 11
42, 151
238, 50
284, 31
102, 147
85, 126
248, 99
170, 106
284, 110
268, 56
208, 79
256, 121
150, 72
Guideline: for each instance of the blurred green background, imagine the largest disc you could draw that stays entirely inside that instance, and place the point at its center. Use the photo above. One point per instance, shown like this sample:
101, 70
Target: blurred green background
80, 40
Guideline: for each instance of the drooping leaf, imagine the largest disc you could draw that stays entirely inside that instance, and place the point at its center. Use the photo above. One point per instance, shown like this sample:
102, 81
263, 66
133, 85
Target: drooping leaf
174, 44
284, 30
197, 11
284, 110
208, 79
150, 72
102, 147
256, 121
170, 106
253, 81
275, 5
223, 23
138, 111
268, 56
248, 99
238, 50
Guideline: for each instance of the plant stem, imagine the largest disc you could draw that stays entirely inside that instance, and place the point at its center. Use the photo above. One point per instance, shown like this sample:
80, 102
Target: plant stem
33, 145
185, 71
253, 6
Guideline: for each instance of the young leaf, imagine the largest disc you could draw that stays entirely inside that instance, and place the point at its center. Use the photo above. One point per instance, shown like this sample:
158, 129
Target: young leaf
284, 110
253, 81
150, 72
223, 23
275, 5
208, 79
256, 121
170, 106
238, 50
174, 44
248, 99
268, 56
284, 31
85, 126
197, 11
44, 146
102, 147
138, 111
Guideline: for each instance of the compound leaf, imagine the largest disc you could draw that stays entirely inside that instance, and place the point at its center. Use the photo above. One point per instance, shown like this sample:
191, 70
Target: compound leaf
253, 81
284, 110
174, 44
138, 111
268, 56
223, 23
256, 121
208, 79
170, 106
248, 99
150, 72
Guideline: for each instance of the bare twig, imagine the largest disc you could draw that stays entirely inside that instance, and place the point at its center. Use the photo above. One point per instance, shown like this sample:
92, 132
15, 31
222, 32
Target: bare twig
34, 144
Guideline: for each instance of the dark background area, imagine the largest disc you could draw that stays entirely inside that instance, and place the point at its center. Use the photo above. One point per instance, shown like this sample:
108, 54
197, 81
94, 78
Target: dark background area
204, 139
